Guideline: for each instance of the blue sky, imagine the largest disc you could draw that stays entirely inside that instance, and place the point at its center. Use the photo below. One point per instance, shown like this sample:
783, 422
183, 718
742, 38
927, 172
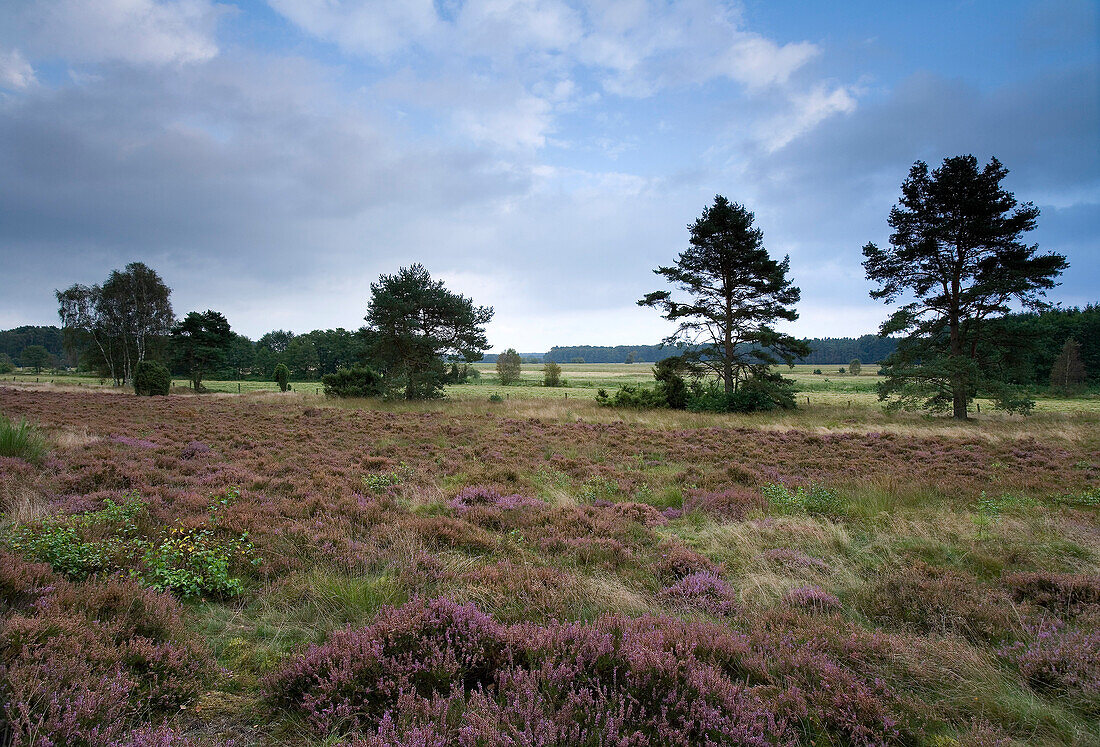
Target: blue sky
270, 159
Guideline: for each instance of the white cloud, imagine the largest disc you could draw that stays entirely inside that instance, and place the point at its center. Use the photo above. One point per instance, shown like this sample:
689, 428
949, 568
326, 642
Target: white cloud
15, 71
377, 28
134, 31
807, 110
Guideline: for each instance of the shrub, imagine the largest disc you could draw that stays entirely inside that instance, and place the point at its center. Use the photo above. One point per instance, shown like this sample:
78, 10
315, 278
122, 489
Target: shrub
761, 392
188, 561
358, 381
631, 396
927, 599
854, 366
22, 441
735, 503
675, 561
496, 398
1062, 593
811, 599
703, 590
6, 366
1060, 659
281, 376
152, 378
814, 499
84, 664
438, 673
551, 374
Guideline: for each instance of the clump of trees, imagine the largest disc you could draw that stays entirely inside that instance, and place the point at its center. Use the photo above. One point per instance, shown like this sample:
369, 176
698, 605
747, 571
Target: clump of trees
116, 325
1068, 373
36, 357
509, 367
854, 366
357, 381
957, 251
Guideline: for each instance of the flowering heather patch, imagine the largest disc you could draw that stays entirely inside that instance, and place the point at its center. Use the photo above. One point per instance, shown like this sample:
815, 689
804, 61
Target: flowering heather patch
675, 561
1063, 593
1063, 659
84, 663
703, 590
137, 443
812, 599
935, 600
441, 673
472, 496
737, 502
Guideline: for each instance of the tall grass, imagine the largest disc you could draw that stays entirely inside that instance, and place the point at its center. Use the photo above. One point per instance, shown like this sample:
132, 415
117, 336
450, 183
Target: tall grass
21, 440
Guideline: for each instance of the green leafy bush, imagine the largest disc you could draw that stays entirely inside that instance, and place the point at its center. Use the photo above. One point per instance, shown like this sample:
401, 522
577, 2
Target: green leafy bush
22, 441
118, 539
759, 393
631, 396
814, 499
152, 378
282, 377
358, 381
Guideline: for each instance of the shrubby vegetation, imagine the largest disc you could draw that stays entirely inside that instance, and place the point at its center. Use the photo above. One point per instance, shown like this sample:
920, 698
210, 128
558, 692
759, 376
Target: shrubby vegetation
360, 381
152, 378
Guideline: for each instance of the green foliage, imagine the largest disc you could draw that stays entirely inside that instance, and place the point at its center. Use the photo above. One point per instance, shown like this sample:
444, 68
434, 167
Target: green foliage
200, 343
6, 366
631, 396
551, 374
152, 378
36, 357
379, 482
360, 381
21, 440
189, 561
737, 293
281, 376
956, 250
814, 499
854, 366
1067, 375
496, 398
508, 366
413, 323
762, 392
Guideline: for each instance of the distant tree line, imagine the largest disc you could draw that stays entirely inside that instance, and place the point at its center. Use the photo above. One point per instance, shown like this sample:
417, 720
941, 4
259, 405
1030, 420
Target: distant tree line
14, 341
823, 350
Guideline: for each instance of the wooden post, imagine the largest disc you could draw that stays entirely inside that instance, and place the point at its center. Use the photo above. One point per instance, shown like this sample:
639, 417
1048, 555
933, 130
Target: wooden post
238, 387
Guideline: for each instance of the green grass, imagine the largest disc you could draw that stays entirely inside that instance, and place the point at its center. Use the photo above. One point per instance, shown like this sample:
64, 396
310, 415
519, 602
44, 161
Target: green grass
22, 441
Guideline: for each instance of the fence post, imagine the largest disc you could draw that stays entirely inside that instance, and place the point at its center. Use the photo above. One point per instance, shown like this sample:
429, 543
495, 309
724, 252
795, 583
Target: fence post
238, 387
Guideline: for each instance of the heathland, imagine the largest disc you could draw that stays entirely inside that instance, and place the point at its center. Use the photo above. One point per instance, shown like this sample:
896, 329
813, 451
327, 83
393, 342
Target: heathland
515, 565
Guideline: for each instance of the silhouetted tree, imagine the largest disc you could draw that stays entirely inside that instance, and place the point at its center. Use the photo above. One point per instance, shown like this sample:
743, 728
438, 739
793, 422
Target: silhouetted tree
200, 343
956, 250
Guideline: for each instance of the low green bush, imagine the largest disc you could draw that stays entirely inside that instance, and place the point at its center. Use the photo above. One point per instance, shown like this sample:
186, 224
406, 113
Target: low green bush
282, 377
358, 381
120, 538
152, 378
814, 499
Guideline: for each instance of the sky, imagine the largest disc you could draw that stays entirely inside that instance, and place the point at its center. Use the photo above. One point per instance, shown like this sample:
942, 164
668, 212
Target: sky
271, 159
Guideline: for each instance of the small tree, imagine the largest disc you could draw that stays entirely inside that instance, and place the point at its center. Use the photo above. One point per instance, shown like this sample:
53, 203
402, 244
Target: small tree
551, 374
414, 323
200, 343
36, 357
735, 295
1068, 373
282, 376
6, 366
577, 360
508, 366
630, 357
854, 366
152, 378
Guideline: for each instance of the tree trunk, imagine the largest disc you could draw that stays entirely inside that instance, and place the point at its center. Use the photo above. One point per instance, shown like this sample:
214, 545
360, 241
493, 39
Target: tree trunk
958, 377
727, 364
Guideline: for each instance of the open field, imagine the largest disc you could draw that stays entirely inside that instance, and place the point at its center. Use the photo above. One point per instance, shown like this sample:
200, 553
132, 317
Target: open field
545, 571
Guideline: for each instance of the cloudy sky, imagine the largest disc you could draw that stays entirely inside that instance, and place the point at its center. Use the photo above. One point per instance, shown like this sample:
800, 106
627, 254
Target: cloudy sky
270, 159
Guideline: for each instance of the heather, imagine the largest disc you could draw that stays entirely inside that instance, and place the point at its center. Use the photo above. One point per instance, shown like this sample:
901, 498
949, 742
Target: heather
461, 573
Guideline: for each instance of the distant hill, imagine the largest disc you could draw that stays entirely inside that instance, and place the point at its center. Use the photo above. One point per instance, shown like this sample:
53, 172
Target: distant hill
826, 351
